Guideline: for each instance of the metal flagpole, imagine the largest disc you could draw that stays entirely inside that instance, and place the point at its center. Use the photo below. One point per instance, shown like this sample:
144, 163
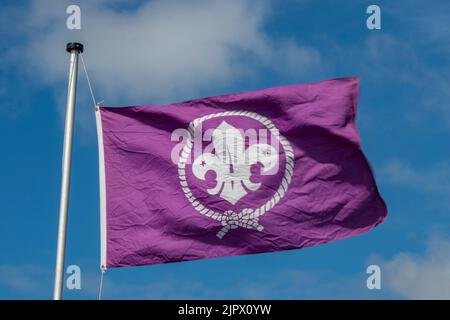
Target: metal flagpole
74, 49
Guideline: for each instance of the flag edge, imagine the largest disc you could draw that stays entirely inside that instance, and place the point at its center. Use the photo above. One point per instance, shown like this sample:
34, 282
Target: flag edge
102, 183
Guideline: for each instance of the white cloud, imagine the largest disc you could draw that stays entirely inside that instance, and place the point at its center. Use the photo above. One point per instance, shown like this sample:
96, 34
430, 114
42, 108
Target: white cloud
29, 279
434, 179
287, 284
416, 55
420, 276
161, 289
160, 50
304, 284
293, 60
429, 21
33, 281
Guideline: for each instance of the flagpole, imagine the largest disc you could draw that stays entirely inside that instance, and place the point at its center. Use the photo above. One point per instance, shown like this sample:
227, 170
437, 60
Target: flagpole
74, 49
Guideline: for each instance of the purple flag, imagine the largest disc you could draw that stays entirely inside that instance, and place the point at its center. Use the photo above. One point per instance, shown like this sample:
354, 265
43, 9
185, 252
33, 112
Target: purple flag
262, 171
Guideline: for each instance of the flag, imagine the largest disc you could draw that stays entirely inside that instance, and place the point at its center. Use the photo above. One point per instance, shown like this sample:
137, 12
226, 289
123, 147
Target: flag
263, 171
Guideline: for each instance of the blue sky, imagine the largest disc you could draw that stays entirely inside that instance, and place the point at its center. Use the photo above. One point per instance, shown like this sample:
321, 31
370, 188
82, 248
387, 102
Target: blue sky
148, 52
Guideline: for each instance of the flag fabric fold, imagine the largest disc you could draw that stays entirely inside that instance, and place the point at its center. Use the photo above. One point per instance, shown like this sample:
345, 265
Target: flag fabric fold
264, 171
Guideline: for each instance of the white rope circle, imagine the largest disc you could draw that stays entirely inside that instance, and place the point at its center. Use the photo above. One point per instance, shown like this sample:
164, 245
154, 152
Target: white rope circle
247, 218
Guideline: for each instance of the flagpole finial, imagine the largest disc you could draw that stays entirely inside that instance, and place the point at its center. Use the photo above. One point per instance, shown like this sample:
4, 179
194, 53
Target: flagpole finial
74, 46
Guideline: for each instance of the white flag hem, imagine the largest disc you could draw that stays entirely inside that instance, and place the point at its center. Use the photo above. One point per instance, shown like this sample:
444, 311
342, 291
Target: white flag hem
101, 160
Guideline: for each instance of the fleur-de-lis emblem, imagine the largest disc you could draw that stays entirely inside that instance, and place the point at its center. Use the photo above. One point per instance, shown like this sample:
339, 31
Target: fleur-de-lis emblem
232, 163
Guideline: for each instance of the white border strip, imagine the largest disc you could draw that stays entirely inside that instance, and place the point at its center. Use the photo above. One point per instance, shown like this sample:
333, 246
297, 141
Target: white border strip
101, 169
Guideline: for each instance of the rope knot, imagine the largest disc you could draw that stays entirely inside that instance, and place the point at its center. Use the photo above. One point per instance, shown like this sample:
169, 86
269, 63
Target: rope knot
233, 220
